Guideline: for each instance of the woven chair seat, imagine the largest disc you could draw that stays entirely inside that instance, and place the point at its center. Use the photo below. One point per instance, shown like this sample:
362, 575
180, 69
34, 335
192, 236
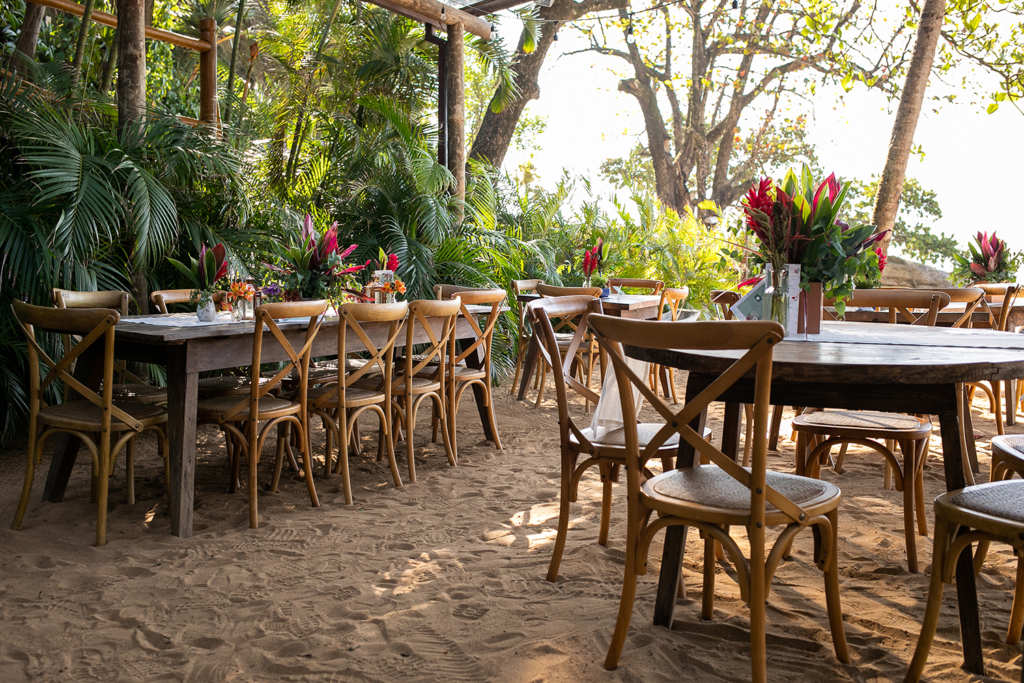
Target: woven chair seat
77, 413
860, 419
1011, 447
212, 407
139, 393
617, 437
711, 485
353, 394
999, 499
417, 383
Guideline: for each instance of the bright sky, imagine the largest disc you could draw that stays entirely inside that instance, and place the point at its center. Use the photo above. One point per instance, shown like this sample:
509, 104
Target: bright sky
973, 160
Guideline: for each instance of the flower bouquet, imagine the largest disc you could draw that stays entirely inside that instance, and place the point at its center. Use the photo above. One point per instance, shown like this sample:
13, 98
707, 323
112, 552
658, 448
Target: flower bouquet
316, 268
239, 296
796, 222
204, 274
593, 260
990, 261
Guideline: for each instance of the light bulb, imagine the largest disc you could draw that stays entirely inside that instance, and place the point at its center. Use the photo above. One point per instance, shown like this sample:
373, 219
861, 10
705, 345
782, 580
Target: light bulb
629, 35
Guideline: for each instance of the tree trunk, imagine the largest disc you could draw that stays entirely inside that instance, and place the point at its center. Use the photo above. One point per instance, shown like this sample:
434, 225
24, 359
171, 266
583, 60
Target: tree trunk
28, 38
497, 128
107, 79
890, 186
131, 62
83, 38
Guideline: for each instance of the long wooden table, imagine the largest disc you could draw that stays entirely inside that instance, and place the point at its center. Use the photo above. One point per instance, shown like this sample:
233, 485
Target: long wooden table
188, 351
635, 306
857, 366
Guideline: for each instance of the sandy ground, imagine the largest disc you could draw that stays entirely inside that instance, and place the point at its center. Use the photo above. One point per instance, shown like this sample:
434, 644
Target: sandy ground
442, 580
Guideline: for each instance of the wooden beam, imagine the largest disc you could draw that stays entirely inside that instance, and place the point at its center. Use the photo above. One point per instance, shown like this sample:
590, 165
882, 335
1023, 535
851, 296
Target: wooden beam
110, 20
208, 73
429, 12
491, 6
456, 109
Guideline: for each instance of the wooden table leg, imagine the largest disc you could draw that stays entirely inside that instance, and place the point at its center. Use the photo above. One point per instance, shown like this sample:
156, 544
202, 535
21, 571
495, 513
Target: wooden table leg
529, 364
671, 570
966, 589
182, 395
88, 371
731, 430
1011, 402
475, 361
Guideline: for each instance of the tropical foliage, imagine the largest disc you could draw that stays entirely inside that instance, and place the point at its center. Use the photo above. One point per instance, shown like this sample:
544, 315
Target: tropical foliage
988, 261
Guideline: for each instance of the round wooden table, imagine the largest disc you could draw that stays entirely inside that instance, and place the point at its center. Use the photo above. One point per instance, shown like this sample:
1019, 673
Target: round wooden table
858, 366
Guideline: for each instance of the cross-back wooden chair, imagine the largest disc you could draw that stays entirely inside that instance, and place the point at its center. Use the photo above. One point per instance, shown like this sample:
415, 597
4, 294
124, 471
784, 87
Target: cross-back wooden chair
458, 376
564, 331
340, 403
713, 498
127, 386
443, 291
1007, 295
239, 416
898, 301
819, 430
524, 330
1007, 460
165, 298
93, 417
970, 297
974, 514
724, 300
412, 385
602, 448
653, 287
670, 307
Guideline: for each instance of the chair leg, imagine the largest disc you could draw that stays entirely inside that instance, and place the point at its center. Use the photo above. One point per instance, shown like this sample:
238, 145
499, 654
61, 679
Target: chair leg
543, 381
672, 385
519, 366
451, 407
832, 601
329, 448
407, 405
625, 613
922, 456
490, 415
448, 430
758, 639
934, 604
235, 453
909, 488
102, 493
773, 435
254, 459
1013, 632
282, 435
606, 503
748, 434
707, 603
563, 521
997, 393
307, 462
841, 458
129, 469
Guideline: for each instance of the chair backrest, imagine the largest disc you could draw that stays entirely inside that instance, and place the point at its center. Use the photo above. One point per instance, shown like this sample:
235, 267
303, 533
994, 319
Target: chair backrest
673, 297
267, 317
66, 298
552, 290
478, 297
443, 292
420, 314
92, 325
653, 286
546, 315
756, 340
1008, 295
164, 298
899, 300
970, 297
526, 286
352, 316
725, 299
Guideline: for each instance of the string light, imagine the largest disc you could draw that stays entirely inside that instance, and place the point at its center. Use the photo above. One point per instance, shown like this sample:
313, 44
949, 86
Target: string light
629, 30
735, 4
444, 16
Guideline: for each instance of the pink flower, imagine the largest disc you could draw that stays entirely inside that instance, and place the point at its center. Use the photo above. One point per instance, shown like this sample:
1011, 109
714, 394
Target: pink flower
881, 259
393, 262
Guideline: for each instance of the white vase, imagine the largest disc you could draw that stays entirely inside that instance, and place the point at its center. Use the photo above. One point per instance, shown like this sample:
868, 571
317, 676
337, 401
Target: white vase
207, 313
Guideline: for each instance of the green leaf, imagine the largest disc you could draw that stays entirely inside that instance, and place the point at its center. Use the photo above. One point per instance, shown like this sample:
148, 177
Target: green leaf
991, 109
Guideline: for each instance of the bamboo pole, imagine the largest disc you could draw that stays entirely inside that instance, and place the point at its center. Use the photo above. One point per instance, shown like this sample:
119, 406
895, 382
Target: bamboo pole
456, 109
110, 20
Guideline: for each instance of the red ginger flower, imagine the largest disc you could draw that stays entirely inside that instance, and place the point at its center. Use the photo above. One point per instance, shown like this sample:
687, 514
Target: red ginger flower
881, 259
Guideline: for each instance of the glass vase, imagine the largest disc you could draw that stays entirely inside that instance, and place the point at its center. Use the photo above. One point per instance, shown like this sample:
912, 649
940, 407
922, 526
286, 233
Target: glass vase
238, 310
776, 297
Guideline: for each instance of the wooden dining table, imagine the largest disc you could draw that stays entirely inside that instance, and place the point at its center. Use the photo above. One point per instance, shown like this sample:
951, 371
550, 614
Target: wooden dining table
857, 366
634, 306
189, 350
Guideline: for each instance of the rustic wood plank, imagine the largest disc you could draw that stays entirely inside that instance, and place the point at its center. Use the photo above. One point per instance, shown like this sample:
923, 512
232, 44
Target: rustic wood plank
182, 396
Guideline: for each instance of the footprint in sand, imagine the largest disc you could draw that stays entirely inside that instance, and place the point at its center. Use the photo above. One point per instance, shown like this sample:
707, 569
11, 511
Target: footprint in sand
468, 612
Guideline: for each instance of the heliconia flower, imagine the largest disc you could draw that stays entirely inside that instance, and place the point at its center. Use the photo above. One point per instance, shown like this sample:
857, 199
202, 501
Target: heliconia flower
760, 197
586, 262
882, 261
749, 282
